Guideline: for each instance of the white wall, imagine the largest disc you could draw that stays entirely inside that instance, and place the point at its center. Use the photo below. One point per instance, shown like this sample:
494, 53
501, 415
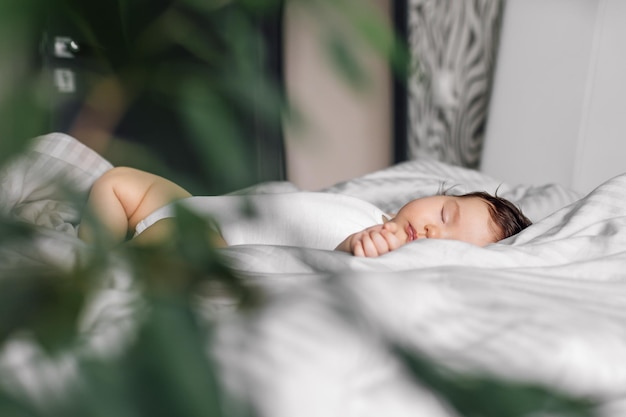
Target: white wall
558, 107
348, 132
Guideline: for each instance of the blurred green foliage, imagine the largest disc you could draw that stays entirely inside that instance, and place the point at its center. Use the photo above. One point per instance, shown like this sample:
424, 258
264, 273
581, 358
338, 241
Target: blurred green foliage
200, 59
473, 395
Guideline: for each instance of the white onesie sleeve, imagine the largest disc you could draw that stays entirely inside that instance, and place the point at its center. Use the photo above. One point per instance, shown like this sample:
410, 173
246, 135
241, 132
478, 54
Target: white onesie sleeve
306, 219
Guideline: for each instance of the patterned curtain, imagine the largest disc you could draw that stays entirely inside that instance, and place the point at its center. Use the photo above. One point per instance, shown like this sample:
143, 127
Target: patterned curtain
452, 45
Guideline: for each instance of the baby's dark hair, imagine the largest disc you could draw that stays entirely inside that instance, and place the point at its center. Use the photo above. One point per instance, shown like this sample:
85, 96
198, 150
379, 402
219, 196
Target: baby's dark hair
507, 217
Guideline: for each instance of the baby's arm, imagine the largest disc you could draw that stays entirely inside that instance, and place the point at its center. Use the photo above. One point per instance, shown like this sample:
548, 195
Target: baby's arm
122, 197
371, 242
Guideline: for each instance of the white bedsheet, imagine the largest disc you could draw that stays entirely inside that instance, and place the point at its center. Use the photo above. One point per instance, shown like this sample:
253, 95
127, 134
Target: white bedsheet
548, 305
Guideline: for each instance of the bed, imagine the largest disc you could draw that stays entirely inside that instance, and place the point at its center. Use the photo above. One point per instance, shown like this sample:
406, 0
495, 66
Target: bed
547, 306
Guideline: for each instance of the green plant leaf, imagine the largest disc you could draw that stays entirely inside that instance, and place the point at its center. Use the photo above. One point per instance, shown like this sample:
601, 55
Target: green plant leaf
474, 395
42, 301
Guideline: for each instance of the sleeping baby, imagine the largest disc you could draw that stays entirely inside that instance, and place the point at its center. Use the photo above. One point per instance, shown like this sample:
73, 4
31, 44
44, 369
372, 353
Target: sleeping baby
127, 200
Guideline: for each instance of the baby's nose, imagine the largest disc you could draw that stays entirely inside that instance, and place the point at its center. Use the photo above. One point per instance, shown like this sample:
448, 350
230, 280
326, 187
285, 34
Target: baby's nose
432, 232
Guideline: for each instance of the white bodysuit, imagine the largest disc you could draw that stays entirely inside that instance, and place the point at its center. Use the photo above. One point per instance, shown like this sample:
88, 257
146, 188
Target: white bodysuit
306, 219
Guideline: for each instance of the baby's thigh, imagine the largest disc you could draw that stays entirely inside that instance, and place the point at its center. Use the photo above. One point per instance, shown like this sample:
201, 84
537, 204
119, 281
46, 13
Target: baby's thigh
141, 193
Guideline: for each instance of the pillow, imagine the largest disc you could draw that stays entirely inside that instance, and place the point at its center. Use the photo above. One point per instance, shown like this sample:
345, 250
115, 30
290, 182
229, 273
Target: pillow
42, 185
392, 187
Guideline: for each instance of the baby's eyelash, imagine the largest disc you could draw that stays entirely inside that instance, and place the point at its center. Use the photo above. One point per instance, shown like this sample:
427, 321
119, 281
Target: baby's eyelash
442, 218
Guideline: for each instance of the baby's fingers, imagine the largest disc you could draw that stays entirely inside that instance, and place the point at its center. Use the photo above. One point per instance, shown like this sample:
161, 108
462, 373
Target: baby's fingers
370, 248
372, 244
357, 247
380, 243
393, 242
362, 245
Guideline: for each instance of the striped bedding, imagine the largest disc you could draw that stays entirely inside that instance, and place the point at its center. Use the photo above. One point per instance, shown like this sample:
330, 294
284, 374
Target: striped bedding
545, 306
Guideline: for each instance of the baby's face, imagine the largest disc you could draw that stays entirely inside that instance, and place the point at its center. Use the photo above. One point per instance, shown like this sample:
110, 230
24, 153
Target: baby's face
445, 217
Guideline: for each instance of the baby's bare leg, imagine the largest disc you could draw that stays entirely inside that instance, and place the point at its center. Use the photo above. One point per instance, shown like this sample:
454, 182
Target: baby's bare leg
124, 196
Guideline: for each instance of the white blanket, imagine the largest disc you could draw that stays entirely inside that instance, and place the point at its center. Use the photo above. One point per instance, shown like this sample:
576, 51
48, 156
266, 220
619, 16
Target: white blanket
548, 305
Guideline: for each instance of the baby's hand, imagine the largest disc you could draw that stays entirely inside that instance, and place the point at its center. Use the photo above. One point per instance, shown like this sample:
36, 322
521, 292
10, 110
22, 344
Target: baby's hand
373, 241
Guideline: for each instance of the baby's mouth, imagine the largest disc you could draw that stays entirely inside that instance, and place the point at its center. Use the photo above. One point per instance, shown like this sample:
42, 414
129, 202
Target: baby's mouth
410, 233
